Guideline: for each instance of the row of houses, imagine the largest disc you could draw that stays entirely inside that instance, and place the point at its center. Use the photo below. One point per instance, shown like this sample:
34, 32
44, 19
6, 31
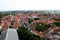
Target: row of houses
17, 20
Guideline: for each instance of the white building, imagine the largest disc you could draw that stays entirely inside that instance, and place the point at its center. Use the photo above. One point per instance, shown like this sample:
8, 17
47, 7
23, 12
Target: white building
9, 34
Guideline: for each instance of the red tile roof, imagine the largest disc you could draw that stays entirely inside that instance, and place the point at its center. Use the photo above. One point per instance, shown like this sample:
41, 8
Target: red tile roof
15, 26
39, 33
5, 26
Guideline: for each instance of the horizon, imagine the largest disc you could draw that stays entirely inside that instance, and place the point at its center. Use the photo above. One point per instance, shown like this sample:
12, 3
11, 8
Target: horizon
28, 10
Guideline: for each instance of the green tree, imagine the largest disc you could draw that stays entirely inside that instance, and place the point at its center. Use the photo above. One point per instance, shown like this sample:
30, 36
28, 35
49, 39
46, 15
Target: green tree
57, 23
57, 19
30, 20
1, 15
42, 27
24, 34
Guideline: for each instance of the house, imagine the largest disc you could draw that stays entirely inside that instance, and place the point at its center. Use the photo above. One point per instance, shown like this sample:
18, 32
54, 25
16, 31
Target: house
5, 26
39, 33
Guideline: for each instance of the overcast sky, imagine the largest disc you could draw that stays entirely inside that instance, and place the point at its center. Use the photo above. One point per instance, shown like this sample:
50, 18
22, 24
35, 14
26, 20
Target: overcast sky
6, 5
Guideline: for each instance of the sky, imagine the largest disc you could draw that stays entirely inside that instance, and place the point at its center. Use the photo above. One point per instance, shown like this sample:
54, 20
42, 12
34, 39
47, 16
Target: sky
9, 5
